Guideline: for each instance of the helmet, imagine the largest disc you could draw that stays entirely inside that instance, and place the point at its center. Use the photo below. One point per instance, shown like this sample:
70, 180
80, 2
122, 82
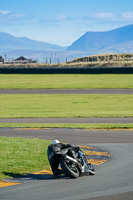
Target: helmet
55, 142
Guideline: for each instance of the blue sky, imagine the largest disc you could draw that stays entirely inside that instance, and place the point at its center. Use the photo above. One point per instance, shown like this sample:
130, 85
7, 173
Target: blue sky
62, 21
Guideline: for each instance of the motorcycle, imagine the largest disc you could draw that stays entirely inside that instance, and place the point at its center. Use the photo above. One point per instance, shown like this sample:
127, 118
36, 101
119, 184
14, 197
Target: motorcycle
74, 167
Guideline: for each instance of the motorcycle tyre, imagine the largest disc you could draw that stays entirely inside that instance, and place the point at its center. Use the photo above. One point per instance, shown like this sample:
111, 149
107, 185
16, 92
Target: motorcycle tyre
68, 171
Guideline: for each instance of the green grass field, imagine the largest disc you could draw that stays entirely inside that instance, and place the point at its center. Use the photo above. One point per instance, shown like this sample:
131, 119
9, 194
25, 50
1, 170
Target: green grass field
66, 81
70, 125
19, 156
48, 106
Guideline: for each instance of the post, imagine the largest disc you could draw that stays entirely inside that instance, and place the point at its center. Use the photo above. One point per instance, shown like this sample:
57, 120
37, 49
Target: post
55, 57
5, 57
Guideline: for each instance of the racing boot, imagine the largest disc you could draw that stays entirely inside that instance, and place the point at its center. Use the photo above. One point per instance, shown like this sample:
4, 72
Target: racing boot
91, 169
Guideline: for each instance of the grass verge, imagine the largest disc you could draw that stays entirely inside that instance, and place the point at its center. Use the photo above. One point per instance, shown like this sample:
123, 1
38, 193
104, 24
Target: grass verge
68, 106
19, 156
65, 81
69, 125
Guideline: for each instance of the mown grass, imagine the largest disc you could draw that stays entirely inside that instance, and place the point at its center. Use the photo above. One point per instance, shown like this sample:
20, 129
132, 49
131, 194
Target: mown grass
65, 81
19, 156
48, 106
70, 125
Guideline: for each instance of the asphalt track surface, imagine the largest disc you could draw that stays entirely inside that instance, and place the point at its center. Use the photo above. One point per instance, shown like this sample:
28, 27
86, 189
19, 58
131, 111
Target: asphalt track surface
68, 120
68, 135
66, 91
113, 179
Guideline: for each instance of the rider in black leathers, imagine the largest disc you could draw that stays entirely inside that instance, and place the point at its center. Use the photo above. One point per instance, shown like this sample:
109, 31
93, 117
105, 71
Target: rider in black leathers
53, 152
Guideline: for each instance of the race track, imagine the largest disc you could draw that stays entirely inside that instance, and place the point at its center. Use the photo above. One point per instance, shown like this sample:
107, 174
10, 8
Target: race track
113, 179
66, 91
68, 120
76, 136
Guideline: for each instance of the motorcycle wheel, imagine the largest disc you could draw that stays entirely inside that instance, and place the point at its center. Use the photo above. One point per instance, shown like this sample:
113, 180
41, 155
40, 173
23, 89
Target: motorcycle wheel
70, 169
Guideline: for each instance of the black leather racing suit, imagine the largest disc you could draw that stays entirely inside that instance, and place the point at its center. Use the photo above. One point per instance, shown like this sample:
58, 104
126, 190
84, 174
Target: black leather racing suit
53, 151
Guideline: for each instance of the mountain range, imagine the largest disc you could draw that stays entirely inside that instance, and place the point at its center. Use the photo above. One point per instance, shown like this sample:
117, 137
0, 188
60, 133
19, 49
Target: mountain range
119, 40
10, 43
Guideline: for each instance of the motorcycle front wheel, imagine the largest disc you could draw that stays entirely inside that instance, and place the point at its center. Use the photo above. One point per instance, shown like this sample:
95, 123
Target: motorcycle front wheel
70, 169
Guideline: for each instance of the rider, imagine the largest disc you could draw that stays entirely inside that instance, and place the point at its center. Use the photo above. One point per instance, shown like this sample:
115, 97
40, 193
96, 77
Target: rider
54, 151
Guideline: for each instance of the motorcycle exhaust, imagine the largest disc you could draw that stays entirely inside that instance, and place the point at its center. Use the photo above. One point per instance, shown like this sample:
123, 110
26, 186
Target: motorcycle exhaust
71, 159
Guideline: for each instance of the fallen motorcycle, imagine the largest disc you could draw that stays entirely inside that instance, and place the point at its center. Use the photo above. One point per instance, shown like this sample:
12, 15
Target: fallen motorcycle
74, 167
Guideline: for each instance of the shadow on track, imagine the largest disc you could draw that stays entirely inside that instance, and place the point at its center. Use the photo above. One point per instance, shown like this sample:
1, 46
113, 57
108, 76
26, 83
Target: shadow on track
16, 177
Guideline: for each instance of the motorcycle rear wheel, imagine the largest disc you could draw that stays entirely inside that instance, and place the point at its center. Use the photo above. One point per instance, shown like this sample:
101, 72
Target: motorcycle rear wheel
70, 169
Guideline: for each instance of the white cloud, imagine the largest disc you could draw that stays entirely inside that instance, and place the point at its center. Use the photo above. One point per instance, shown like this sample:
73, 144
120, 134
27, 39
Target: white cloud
17, 15
104, 15
127, 15
61, 17
5, 12
9, 18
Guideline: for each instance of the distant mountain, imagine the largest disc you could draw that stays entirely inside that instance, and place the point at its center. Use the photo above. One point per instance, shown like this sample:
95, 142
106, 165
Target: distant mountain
10, 43
118, 41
